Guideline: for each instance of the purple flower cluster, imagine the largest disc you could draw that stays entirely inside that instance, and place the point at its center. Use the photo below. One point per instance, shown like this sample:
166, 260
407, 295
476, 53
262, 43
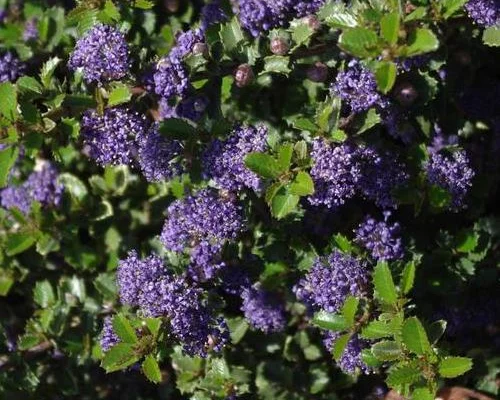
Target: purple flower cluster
351, 361
171, 80
192, 108
234, 280
41, 186
224, 160
259, 16
102, 53
212, 14
263, 309
147, 284
331, 280
16, 197
453, 174
336, 172
30, 30
340, 171
484, 12
10, 67
202, 223
381, 239
158, 156
108, 338
111, 137
357, 87
381, 173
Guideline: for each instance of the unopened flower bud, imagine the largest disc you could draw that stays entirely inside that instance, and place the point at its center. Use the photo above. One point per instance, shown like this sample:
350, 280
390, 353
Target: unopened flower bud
313, 22
244, 75
200, 49
279, 46
317, 72
405, 93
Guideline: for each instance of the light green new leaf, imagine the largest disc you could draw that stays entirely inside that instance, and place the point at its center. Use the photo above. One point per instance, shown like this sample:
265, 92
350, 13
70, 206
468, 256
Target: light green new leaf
422, 41
415, 338
451, 367
263, 165
123, 329
389, 27
302, 185
384, 285
330, 321
386, 350
151, 369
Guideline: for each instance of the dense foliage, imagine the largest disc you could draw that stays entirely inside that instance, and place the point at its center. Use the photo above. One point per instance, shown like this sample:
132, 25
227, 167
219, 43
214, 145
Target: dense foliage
244, 199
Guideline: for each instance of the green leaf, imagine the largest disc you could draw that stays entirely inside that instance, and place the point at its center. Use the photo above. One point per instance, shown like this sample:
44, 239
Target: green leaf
176, 128
106, 285
19, 242
377, 330
6, 282
301, 33
422, 394
8, 157
302, 185
369, 359
360, 42
74, 186
46, 244
28, 84
407, 277
330, 321
421, 41
263, 165
28, 341
8, 104
343, 243
340, 345
277, 65
305, 124
154, 325
338, 136
144, 4
450, 7
43, 294
327, 116
231, 35
119, 94
151, 369
466, 241
436, 330
384, 285
119, 357
339, 16
350, 308
491, 36
285, 154
365, 121
439, 197
48, 70
389, 27
238, 327
415, 338
451, 367
386, 350
403, 375
283, 203
123, 329
111, 10
385, 75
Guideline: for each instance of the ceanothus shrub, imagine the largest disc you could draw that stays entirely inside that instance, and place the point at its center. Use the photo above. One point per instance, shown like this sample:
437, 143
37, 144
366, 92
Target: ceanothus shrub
249, 199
